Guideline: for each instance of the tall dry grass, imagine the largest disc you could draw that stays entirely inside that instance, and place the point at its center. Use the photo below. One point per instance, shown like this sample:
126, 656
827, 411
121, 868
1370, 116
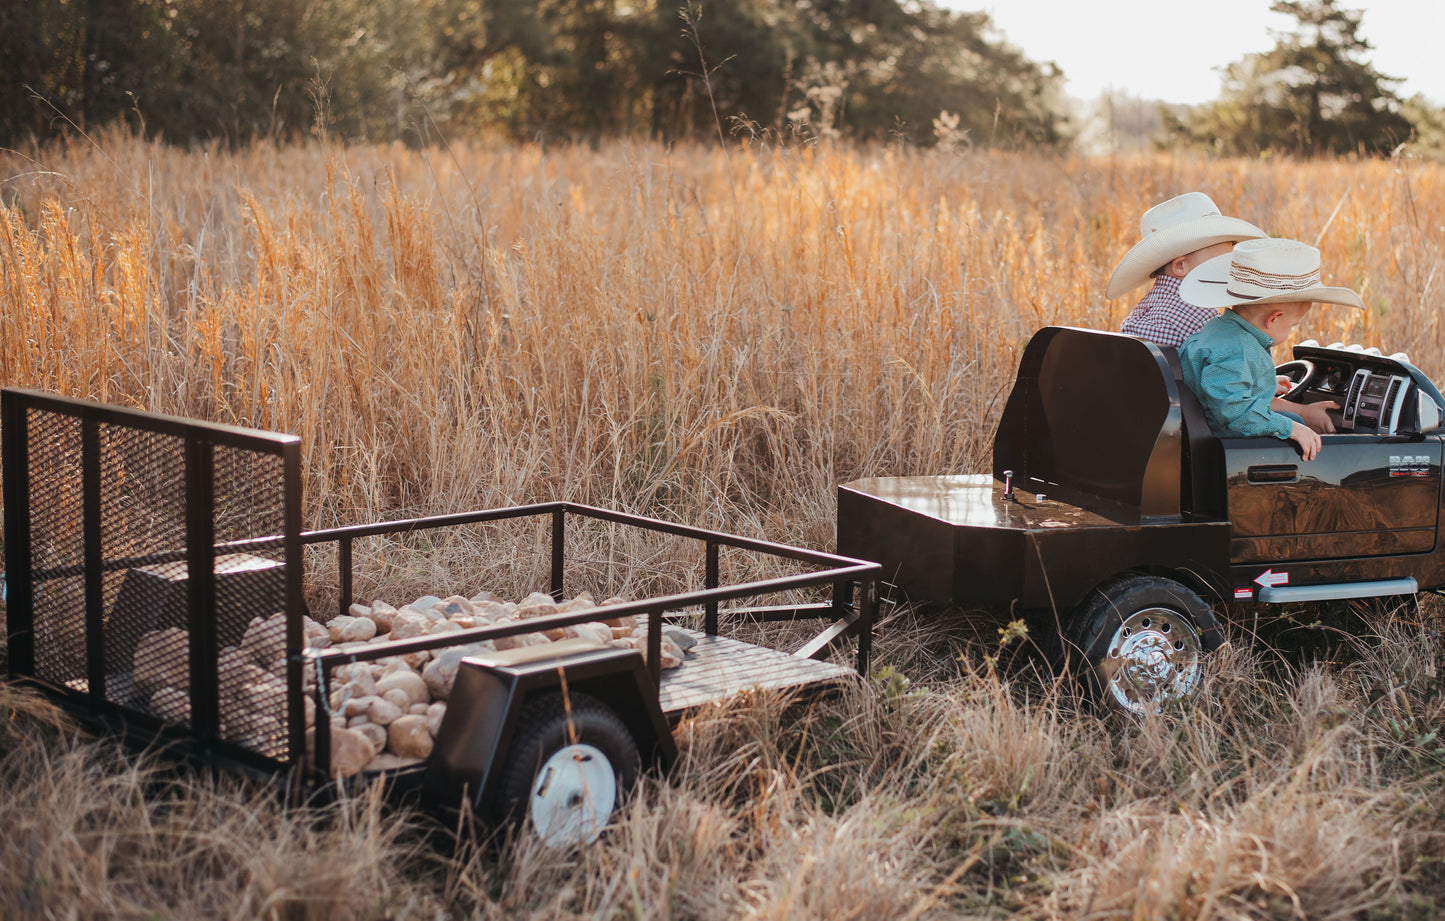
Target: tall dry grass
722, 338
719, 340
975, 795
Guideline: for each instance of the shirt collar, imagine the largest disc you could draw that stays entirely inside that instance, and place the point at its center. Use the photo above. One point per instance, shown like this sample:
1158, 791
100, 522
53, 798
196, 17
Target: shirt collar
1167, 283
1259, 335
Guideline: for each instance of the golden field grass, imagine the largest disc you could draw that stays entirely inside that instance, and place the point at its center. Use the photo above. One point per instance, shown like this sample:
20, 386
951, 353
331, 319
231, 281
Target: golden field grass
718, 339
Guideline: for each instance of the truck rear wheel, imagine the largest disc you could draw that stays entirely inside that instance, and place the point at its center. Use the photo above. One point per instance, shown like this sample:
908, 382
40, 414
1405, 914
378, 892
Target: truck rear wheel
565, 768
1139, 640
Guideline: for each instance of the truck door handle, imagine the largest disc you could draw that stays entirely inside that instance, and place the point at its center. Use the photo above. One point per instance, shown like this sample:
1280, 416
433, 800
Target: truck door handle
1274, 473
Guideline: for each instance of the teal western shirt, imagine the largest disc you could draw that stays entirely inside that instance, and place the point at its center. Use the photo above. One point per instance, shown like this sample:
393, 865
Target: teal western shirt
1228, 366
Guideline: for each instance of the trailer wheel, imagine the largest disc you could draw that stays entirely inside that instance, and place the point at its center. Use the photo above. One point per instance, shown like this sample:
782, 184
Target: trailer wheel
564, 769
1139, 640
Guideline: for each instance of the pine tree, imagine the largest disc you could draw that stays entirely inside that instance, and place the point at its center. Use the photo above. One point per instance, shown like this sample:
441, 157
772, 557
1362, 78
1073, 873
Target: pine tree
1313, 94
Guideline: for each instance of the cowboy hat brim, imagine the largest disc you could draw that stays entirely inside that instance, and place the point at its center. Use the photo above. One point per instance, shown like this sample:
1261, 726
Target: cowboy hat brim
1166, 245
1208, 286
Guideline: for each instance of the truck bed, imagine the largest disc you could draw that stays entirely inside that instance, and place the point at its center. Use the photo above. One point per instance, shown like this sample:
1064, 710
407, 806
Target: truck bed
958, 540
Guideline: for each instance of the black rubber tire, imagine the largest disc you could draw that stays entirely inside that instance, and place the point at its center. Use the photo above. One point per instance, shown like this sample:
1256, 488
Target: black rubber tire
1166, 614
544, 728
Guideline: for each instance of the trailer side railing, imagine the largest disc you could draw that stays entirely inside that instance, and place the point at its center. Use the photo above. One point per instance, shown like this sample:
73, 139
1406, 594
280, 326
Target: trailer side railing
847, 617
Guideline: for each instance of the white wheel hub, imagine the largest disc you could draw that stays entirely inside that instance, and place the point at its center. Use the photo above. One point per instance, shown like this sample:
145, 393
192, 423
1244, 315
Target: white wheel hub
573, 796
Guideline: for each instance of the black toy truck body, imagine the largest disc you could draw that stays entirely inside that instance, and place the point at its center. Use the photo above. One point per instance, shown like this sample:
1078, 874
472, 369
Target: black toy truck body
1113, 506
126, 529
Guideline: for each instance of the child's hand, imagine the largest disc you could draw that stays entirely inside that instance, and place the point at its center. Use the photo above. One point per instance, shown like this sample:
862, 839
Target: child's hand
1316, 416
1307, 439
1282, 385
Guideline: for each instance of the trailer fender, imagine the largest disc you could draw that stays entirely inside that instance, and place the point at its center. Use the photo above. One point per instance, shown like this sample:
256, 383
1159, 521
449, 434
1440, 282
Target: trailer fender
485, 712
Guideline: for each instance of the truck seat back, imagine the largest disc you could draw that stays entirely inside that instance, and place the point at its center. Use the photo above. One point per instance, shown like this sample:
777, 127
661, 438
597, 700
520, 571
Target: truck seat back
1096, 414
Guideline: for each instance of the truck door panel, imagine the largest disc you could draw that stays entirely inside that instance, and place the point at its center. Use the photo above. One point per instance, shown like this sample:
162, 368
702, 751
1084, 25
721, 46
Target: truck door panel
1363, 495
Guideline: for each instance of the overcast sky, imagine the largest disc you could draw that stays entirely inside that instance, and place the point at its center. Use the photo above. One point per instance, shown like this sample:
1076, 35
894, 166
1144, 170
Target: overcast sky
1149, 49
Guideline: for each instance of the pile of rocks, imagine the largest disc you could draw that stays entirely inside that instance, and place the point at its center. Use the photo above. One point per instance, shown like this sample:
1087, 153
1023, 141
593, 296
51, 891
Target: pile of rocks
384, 713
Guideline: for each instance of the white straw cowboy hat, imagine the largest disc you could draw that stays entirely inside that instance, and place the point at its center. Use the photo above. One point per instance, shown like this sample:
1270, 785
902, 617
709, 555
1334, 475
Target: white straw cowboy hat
1269, 271
1172, 229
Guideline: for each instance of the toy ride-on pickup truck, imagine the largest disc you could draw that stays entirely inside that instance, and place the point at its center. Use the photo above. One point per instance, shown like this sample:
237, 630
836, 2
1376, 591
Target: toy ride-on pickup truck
1113, 511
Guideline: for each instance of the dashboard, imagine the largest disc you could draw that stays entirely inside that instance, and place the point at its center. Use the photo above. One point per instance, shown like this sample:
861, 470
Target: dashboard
1377, 393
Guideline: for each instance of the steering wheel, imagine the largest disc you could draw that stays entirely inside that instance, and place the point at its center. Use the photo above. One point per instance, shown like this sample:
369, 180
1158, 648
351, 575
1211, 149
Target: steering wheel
1300, 372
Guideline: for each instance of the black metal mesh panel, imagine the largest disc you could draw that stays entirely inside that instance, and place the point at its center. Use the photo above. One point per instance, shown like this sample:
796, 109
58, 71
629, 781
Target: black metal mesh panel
57, 548
251, 600
142, 519
122, 504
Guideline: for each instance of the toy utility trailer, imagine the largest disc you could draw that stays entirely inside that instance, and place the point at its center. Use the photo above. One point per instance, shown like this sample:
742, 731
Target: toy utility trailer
1114, 511
140, 549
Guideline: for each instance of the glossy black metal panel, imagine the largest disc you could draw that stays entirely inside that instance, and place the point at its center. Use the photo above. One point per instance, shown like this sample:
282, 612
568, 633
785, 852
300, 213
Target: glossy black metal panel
905, 524
959, 540
1203, 489
1065, 565
1362, 495
1095, 414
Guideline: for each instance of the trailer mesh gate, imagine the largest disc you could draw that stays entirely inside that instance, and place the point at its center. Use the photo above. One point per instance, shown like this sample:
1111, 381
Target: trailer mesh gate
139, 550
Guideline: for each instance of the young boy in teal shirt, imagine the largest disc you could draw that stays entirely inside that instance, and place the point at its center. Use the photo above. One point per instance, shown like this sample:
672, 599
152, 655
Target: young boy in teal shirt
1268, 285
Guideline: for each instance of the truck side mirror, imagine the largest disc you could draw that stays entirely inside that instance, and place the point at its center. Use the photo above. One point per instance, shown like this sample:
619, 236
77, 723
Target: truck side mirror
1428, 413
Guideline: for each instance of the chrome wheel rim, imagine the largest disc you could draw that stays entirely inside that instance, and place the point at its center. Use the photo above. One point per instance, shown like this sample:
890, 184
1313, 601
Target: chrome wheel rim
1153, 658
573, 796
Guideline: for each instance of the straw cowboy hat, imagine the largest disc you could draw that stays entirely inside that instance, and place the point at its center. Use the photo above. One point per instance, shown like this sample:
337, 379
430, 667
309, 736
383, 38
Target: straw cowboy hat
1269, 271
1172, 229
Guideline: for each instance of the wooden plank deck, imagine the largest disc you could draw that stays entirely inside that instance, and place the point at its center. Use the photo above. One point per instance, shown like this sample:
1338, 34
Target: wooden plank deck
719, 667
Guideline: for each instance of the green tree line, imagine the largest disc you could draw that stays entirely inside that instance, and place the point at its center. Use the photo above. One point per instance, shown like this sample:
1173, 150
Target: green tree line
234, 70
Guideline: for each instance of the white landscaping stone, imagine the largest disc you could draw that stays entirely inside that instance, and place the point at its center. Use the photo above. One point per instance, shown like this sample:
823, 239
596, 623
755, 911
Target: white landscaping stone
408, 737
382, 613
172, 705
408, 681
335, 625
360, 630
382, 712
162, 660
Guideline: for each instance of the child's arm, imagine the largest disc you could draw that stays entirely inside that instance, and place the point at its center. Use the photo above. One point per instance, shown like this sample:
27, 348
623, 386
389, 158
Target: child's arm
1226, 392
1315, 415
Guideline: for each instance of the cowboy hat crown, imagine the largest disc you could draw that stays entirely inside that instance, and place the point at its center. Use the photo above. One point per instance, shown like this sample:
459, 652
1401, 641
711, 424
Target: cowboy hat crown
1175, 228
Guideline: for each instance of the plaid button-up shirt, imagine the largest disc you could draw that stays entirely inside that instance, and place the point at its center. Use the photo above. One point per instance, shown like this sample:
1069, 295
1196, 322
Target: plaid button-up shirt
1163, 317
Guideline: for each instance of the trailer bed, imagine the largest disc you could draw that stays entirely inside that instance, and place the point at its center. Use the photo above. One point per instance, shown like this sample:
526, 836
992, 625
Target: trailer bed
719, 667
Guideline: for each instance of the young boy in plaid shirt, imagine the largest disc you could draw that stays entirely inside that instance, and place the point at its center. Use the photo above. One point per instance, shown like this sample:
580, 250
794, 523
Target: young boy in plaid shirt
1176, 236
